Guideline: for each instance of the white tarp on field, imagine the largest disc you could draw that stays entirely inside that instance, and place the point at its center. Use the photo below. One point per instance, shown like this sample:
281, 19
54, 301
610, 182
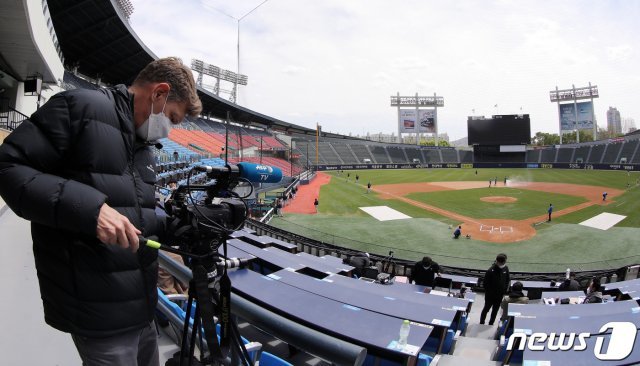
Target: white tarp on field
604, 221
384, 213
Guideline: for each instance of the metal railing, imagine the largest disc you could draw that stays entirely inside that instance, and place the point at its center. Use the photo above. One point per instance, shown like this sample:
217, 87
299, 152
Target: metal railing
402, 267
11, 119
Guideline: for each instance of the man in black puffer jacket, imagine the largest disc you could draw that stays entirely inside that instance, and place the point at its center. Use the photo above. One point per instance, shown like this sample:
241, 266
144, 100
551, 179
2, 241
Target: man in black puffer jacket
496, 283
81, 169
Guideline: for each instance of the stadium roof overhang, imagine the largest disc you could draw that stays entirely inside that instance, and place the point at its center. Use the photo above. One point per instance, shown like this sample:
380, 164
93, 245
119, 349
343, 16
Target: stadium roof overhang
96, 38
20, 57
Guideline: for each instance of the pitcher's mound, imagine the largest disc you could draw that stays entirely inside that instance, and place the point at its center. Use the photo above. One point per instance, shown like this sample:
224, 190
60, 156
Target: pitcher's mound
498, 199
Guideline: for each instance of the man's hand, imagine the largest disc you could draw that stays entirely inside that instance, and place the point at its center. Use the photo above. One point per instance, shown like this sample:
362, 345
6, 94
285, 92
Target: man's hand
115, 229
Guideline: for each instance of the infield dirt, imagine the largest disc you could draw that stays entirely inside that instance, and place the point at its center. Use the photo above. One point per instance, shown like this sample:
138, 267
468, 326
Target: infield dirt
498, 230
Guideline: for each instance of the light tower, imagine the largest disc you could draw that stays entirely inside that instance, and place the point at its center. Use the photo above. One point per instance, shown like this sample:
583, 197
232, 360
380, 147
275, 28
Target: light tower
203, 68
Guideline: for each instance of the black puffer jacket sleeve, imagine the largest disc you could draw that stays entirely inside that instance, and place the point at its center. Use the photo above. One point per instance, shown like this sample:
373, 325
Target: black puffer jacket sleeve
29, 156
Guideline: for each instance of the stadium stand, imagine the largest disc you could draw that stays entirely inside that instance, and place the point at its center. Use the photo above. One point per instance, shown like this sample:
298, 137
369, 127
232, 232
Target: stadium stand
329, 153
301, 149
564, 155
380, 154
412, 154
397, 154
628, 151
449, 155
432, 156
198, 141
345, 153
466, 156
596, 154
581, 154
287, 168
271, 142
612, 152
71, 81
533, 156
202, 124
362, 152
184, 153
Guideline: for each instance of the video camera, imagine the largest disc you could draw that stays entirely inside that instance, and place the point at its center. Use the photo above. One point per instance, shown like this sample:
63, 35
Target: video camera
199, 224
193, 220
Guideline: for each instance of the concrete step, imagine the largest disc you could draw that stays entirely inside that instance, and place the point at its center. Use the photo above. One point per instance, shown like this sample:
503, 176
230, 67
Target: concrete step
477, 348
482, 331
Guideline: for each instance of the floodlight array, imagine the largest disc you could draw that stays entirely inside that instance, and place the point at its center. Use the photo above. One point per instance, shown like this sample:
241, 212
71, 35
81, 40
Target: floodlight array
417, 102
218, 73
126, 6
587, 92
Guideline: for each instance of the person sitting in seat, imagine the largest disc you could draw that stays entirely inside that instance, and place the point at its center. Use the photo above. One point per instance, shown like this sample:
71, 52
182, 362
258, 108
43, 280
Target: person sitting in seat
570, 284
359, 262
169, 284
514, 296
424, 272
457, 232
594, 292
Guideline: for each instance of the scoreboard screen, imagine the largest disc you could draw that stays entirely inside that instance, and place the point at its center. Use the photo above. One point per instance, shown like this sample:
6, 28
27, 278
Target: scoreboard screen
510, 129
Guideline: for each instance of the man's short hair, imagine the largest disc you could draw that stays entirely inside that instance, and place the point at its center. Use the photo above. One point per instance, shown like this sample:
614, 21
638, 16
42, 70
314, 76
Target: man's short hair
427, 260
171, 70
501, 258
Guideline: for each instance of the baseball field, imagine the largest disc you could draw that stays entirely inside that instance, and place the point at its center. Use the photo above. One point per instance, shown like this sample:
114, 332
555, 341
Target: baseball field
414, 212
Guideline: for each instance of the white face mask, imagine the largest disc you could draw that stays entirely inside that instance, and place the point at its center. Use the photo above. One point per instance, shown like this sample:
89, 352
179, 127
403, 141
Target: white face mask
157, 126
501, 266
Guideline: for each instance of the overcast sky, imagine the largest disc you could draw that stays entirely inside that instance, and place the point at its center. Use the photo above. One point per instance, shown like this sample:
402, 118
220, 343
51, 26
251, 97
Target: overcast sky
338, 62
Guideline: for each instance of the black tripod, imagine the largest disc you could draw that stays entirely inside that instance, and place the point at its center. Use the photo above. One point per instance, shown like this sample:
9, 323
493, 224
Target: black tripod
210, 288
384, 277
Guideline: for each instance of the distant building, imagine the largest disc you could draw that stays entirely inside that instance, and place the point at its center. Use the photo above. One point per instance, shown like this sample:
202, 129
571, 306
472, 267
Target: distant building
380, 137
614, 123
628, 125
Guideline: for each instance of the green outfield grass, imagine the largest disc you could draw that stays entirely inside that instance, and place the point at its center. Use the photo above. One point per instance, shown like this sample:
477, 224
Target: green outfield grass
556, 246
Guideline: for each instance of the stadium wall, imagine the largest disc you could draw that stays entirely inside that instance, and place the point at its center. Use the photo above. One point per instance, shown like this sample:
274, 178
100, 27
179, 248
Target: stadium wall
402, 267
626, 167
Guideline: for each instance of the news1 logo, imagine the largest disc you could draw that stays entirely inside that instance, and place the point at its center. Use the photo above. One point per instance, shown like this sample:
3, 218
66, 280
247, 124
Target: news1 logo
621, 341
264, 168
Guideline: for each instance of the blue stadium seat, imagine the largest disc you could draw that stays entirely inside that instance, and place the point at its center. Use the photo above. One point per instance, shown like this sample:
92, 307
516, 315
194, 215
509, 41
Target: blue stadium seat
424, 360
432, 344
252, 348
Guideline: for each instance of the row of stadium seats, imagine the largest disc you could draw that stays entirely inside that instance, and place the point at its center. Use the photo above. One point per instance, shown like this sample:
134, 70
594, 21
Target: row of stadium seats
173, 308
344, 151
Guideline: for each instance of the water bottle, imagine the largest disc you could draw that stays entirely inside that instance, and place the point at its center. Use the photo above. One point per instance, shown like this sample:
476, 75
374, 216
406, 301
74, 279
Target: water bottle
568, 274
404, 334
